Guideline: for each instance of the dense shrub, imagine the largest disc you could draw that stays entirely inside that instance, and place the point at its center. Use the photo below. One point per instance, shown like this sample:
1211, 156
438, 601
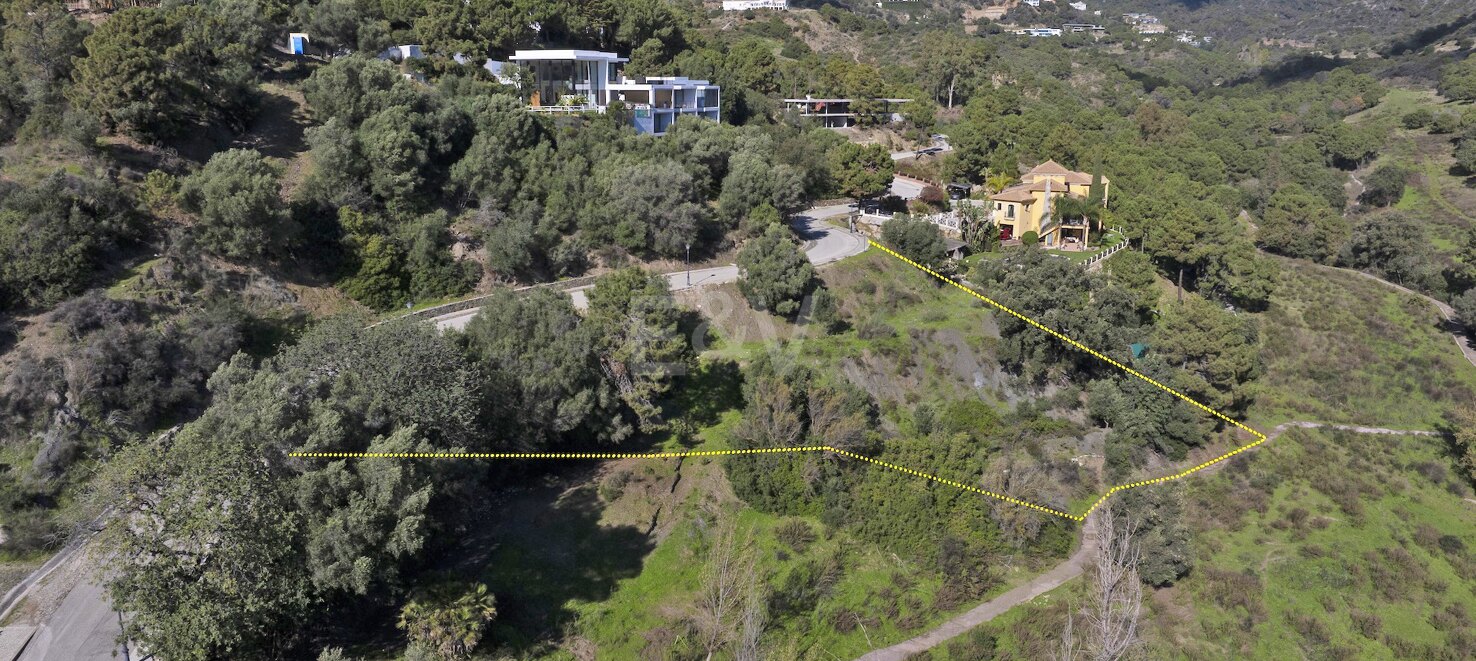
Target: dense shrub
1385, 185
917, 240
796, 534
55, 236
775, 273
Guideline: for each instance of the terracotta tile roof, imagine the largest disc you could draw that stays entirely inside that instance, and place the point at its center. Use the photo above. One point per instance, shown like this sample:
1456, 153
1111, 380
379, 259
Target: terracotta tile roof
1049, 167
1016, 193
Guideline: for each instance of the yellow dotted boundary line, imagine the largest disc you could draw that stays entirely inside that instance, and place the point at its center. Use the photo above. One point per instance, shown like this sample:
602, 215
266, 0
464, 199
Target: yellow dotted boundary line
673, 455
1260, 438
550, 455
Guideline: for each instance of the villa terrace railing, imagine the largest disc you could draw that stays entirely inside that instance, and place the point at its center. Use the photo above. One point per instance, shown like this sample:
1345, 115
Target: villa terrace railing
479, 300
1096, 260
563, 110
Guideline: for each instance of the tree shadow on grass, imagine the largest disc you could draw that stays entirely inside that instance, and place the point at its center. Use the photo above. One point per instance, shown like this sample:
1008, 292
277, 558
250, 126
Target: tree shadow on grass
542, 549
707, 391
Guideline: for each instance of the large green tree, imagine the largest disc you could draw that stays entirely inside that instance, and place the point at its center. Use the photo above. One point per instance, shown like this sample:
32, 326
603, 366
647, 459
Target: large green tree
352, 89
1385, 185
1458, 80
397, 154
916, 239
1393, 245
1298, 223
754, 180
1465, 152
542, 364
494, 165
642, 349
221, 541
1216, 352
653, 207
479, 27
155, 72
861, 171
42, 39
1465, 309
55, 235
1062, 296
774, 272
237, 196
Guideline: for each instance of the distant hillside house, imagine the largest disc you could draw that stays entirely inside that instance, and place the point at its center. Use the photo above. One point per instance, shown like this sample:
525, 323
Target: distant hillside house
745, 5
402, 53
1026, 206
578, 81
838, 113
1083, 27
1039, 32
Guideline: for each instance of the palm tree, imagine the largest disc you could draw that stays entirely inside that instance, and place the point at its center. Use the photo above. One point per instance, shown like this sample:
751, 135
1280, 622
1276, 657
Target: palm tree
448, 618
1071, 208
997, 181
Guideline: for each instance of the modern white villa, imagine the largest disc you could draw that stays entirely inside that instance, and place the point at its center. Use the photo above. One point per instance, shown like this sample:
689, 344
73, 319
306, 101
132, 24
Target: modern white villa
577, 81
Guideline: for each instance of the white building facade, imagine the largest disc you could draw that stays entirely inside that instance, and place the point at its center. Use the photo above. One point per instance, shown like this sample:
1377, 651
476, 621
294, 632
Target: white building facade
576, 81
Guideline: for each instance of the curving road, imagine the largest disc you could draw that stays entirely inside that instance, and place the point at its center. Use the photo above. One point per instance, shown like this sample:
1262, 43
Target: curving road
825, 243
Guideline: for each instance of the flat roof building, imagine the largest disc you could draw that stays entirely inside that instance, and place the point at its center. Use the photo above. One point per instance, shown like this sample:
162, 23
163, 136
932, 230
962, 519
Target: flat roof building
577, 81
838, 113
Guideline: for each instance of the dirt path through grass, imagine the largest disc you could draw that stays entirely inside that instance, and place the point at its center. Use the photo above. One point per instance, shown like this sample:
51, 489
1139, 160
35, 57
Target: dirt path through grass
1453, 326
1072, 566
1058, 575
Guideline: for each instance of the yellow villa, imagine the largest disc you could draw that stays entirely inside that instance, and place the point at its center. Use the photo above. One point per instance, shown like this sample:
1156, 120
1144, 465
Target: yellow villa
1026, 206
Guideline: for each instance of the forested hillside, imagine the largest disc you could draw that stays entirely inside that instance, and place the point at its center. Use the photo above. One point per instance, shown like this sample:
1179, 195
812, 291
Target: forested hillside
1326, 24
209, 245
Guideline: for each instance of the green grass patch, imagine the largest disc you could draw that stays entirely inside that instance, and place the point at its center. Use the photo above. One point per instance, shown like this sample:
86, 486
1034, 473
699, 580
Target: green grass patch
1342, 348
1331, 545
130, 285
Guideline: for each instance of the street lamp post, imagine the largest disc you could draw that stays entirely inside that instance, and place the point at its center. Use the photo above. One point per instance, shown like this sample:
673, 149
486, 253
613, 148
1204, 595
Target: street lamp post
688, 262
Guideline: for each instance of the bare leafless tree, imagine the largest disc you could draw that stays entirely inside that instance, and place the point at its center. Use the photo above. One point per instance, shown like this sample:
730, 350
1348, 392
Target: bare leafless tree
755, 617
770, 420
1025, 480
726, 587
1114, 605
832, 423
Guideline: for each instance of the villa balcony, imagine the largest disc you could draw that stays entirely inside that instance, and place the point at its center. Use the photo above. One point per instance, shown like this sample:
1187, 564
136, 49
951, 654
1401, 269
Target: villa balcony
563, 109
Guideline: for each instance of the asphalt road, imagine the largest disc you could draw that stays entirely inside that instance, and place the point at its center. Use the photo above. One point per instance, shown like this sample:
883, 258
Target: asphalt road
906, 189
83, 628
826, 243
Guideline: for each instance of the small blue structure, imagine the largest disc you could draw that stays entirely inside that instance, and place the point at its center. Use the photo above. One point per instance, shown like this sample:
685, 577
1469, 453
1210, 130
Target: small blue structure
1138, 349
297, 43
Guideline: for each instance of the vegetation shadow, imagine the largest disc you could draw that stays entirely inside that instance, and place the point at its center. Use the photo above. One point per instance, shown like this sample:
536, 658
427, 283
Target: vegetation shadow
712, 388
542, 549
